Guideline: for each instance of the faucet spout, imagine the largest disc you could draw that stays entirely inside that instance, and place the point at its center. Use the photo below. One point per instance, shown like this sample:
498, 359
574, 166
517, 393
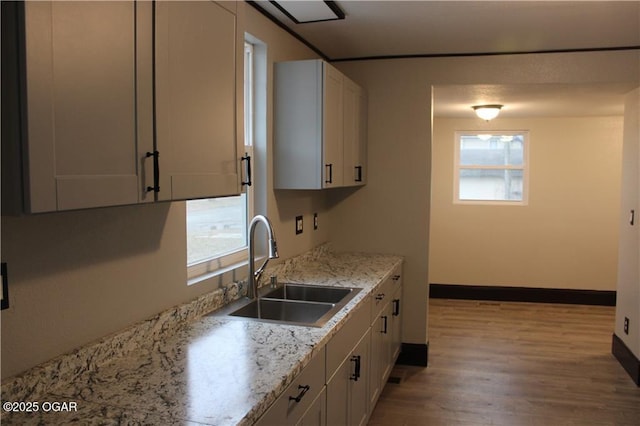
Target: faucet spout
254, 276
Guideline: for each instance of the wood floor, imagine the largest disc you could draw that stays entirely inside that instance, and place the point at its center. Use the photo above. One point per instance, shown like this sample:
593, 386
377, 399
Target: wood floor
504, 363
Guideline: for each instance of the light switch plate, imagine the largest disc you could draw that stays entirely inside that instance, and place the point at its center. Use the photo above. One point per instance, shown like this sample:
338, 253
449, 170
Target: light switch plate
298, 225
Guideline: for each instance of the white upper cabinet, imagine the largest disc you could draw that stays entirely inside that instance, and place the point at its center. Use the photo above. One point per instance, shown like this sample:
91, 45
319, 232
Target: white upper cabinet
91, 118
314, 115
332, 126
355, 134
199, 83
83, 125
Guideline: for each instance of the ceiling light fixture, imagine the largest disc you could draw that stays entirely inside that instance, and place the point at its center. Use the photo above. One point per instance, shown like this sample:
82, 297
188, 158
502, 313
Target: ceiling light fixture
487, 112
302, 12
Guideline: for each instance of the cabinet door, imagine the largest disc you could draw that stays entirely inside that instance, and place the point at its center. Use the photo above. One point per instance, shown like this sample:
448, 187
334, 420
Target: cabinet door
380, 353
396, 324
355, 126
361, 157
198, 65
295, 402
316, 414
375, 366
81, 105
347, 397
359, 397
332, 128
385, 330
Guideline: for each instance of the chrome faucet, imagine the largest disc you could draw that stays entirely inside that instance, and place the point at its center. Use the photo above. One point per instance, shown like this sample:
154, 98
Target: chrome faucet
254, 276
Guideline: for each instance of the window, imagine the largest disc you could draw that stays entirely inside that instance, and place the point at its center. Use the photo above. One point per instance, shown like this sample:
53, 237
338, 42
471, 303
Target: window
217, 227
491, 168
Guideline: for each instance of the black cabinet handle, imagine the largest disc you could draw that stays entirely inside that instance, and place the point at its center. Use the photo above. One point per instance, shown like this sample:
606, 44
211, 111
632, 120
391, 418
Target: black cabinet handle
247, 158
379, 296
395, 277
632, 217
358, 174
329, 174
384, 322
156, 171
356, 371
396, 307
303, 390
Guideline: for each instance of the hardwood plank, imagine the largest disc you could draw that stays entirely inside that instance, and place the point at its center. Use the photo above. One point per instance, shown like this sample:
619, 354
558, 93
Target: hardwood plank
513, 363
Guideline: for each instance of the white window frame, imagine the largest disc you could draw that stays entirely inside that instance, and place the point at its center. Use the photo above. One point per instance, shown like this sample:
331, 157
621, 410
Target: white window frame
525, 168
214, 266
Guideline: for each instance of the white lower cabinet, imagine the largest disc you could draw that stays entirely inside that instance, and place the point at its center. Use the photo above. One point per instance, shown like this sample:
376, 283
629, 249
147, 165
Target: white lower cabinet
386, 332
341, 385
396, 323
347, 401
316, 415
299, 403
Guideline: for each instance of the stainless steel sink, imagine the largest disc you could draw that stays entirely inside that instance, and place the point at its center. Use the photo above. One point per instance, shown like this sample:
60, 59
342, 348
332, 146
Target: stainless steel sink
311, 293
296, 304
284, 311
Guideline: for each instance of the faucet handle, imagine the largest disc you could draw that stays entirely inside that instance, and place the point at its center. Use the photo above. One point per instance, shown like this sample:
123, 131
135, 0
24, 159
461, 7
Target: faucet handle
273, 281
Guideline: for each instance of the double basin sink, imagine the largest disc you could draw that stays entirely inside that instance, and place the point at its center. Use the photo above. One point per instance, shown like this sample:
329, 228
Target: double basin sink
297, 304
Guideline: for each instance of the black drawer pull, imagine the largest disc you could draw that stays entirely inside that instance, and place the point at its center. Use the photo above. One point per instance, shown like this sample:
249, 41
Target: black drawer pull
303, 390
356, 374
358, 174
395, 277
247, 158
329, 174
380, 296
156, 171
396, 307
384, 321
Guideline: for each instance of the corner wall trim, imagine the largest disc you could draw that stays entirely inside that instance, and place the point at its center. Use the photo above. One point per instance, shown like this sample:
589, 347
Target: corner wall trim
523, 294
626, 358
414, 354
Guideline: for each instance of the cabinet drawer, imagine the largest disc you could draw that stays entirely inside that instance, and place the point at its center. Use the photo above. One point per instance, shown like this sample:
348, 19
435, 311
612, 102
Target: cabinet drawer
382, 294
298, 396
344, 341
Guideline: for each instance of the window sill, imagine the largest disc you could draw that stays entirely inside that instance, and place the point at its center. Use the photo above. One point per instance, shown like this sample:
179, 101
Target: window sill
225, 275
233, 269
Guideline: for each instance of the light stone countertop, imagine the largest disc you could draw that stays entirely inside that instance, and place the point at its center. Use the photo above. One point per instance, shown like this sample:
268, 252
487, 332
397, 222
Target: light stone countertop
214, 370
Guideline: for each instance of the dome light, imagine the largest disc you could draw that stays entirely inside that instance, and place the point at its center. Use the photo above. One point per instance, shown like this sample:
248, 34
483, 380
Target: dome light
487, 112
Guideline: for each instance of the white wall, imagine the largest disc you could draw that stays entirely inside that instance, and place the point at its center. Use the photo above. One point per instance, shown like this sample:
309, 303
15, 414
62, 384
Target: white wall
628, 289
75, 277
391, 213
566, 236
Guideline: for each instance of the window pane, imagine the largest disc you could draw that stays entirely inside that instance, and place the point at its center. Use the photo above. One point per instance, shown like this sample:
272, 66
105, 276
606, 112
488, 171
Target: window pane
491, 150
490, 184
215, 226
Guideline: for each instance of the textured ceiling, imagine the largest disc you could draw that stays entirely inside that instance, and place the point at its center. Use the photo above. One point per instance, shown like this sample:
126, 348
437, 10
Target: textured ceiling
392, 28
532, 100
374, 29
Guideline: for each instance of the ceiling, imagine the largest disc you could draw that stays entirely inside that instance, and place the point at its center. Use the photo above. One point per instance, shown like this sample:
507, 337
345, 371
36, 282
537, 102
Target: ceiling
387, 29
532, 100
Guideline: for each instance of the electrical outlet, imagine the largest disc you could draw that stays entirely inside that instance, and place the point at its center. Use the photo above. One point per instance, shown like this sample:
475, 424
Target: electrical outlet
298, 225
315, 221
626, 325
